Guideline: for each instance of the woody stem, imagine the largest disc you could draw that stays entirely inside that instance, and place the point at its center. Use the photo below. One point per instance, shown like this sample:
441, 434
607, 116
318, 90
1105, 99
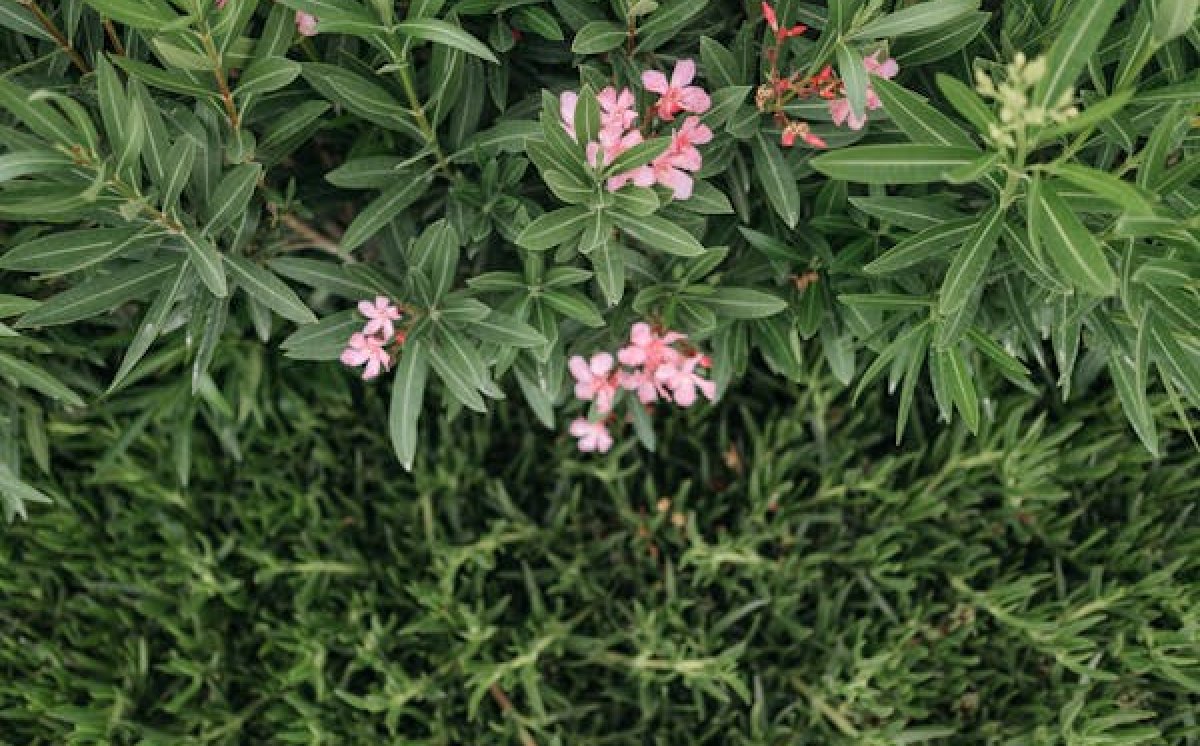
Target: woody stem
52, 29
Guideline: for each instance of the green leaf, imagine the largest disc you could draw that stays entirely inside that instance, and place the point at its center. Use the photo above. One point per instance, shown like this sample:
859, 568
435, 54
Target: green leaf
206, 260
442, 32
382, 210
720, 68
151, 15
175, 81
743, 303
322, 275
777, 180
970, 264
269, 290
340, 17
920, 121
1174, 361
939, 43
152, 323
24, 374
1077, 40
587, 115
961, 383
16, 493
598, 37
504, 330
931, 243
659, 234
967, 103
1105, 185
608, 264
854, 79
447, 354
893, 164
180, 159
554, 228
326, 339
916, 18
1173, 18
1133, 398
361, 97
19, 19
30, 162
369, 172
100, 294
915, 214
1074, 250
266, 75
574, 304
408, 394
231, 198
38, 116
74, 250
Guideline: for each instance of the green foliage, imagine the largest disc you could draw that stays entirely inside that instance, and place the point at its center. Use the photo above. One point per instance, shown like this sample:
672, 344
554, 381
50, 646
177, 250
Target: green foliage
778, 572
1024, 199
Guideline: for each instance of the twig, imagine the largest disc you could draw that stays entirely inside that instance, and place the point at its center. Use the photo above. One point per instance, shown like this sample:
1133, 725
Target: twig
62, 41
315, 238
118, 47
222, 82
506, 708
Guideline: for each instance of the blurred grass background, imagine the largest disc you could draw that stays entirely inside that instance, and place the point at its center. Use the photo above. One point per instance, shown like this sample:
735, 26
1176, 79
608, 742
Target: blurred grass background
777, 573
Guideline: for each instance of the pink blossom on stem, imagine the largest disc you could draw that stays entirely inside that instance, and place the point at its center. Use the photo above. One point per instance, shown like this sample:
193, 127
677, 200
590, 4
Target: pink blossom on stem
616, 111
366, 349
221, 4
380, 317
594, 380
306, 23
678, 94
593, 436
683, 381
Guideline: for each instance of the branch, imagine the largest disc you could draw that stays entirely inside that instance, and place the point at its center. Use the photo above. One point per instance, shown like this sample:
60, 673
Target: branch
62, 41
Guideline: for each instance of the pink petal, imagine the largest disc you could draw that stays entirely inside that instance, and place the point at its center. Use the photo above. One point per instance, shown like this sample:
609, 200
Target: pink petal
695, 100
579, 368
655, 81
641, 334
678, 181
685, 70
602, 363
839, 109
579, 427
709, 388
685, 394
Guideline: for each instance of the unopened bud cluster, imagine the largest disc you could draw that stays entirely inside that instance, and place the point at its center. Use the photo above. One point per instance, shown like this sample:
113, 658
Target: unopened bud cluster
1017, 112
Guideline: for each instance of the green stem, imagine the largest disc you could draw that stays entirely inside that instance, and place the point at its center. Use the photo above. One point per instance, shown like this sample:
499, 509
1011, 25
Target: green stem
222, 82
418, 110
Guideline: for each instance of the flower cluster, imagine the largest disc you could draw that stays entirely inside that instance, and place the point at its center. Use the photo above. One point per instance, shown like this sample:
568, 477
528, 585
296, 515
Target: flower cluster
369, 346
655, 369
780, 89
1017, 112
306, 23
619, 130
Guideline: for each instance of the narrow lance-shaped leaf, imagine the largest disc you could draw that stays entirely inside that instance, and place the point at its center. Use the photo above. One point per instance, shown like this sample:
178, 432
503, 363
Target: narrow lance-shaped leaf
266, 288
206, 260
1072, 248
232, 196
408, 394
100, 294
967, 270
1078, 38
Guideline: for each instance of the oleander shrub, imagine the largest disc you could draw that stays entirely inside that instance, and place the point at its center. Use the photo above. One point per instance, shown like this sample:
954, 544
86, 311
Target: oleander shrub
603, 209
777, 572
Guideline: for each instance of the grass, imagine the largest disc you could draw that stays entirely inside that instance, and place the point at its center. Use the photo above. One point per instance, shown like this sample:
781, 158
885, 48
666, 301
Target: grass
778, 573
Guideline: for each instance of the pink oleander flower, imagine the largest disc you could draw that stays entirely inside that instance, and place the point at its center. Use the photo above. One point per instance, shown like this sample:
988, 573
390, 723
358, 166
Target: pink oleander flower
839, 108
678, 94
380, 316
616, 111
593, 436
306, 23
683, 381
366, 349
606, 151
594, 380
221, 4
670, 169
